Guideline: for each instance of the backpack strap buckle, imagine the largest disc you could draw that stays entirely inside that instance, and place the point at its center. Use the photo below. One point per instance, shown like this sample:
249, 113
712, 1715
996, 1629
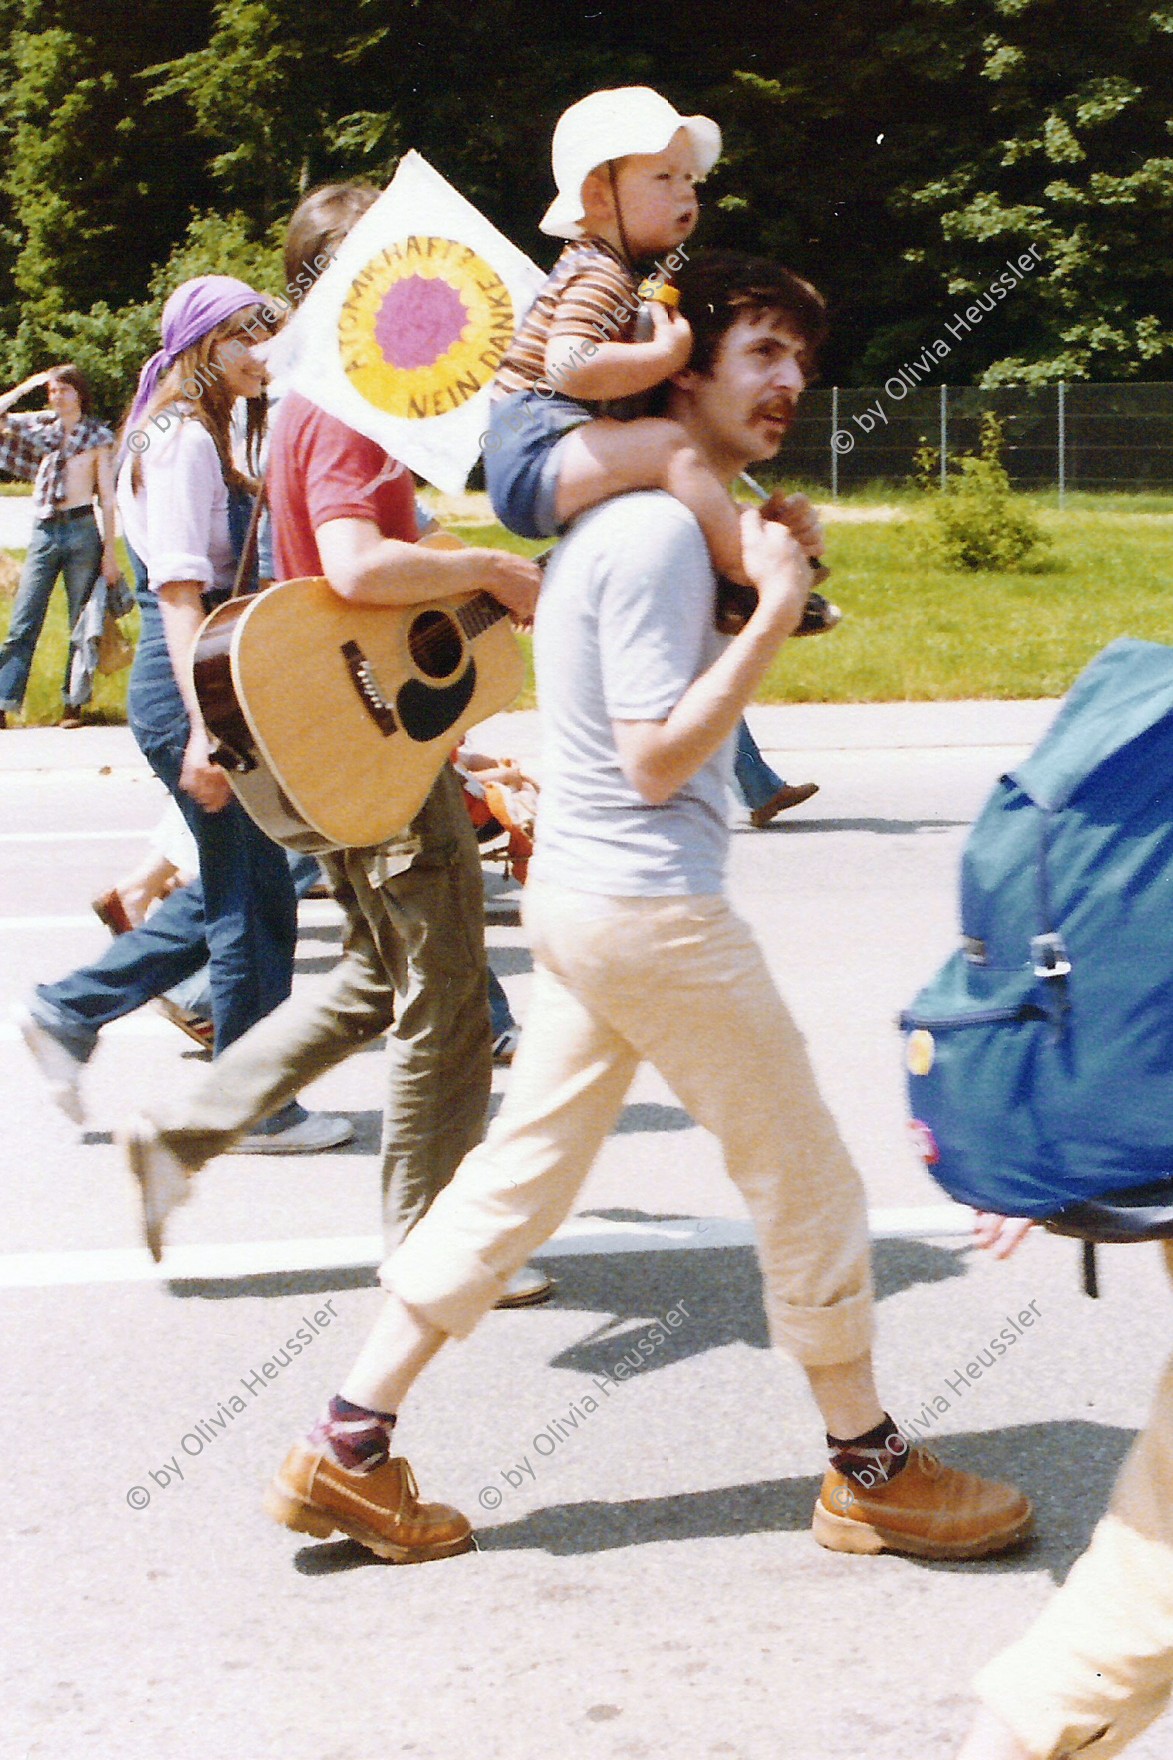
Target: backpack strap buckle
1050, 956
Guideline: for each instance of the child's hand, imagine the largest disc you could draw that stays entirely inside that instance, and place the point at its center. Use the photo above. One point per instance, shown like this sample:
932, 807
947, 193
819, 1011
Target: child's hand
799, 514
673, 335
1000, 1235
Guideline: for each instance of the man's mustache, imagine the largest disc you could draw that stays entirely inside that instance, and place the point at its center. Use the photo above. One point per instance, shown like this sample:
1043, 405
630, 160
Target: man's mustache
779, 410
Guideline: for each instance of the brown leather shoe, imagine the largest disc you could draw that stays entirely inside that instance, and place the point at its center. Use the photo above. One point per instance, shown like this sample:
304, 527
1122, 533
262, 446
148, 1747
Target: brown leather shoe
381, 1510
928, 1510
791, 794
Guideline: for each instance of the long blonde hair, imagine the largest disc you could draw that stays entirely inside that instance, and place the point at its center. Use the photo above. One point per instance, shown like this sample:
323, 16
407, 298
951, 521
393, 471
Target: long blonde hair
193, 379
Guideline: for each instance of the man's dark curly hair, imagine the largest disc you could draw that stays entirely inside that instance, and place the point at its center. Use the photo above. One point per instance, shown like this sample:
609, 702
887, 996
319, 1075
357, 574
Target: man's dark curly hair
718, 287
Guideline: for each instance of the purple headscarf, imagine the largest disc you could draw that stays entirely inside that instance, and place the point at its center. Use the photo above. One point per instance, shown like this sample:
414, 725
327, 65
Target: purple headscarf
192, 310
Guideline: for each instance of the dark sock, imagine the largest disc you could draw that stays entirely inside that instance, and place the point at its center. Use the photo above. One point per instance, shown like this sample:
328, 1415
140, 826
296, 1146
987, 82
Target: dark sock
282, 1120
872, 1459
356, 1437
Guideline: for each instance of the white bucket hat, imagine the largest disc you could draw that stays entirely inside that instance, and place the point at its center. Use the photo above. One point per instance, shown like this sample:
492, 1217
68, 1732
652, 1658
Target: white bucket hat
609, 125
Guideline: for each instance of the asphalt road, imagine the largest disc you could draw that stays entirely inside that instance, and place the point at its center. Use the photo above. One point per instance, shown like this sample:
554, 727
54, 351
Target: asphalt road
646, 1584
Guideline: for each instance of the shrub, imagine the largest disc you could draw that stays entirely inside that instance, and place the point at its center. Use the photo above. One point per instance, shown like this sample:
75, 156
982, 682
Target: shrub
976, 521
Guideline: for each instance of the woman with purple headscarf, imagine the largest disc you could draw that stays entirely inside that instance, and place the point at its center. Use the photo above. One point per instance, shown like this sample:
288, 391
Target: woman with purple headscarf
185, 506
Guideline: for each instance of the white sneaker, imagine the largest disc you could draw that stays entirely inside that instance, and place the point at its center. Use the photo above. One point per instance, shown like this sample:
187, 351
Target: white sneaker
526, 1288
316, 1131
56, 1062
163, 1182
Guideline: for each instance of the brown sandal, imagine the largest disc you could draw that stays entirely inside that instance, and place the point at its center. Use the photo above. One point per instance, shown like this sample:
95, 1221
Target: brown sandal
112, 913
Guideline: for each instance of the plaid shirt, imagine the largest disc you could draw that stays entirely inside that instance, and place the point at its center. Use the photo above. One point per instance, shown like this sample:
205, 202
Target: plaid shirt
36, 449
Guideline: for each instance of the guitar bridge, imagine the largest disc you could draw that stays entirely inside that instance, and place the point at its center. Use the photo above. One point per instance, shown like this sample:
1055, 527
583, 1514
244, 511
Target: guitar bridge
370, 692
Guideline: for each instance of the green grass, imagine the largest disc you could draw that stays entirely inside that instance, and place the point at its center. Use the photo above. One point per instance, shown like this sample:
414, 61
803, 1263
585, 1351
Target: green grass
913, 632
42, 703
908, 631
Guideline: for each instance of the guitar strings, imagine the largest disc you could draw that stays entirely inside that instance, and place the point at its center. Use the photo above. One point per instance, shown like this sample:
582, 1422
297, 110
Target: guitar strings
430, 640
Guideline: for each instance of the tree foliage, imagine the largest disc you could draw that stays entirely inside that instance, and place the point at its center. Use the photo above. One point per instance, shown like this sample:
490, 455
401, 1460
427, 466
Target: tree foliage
1073, 150
896, 151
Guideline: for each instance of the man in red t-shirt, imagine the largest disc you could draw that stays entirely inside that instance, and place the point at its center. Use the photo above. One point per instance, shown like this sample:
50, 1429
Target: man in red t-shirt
413, 962
320, 470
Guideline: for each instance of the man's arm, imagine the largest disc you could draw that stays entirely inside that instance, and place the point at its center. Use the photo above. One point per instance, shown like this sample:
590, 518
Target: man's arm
659, 757
21, 447
368, 569
22, 390
104, 462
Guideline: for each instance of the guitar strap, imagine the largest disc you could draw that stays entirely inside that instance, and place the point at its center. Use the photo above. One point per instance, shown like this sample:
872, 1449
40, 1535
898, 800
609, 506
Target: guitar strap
248, 554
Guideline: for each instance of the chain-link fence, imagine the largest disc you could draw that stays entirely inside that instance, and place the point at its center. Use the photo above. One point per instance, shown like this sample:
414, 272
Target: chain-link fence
1061, 437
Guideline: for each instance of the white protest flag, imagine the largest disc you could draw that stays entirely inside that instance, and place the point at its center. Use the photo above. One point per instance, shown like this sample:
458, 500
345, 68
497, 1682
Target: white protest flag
401, 337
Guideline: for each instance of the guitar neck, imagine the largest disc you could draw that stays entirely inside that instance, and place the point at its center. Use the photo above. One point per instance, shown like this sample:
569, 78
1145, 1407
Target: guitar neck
479, 614
482, 610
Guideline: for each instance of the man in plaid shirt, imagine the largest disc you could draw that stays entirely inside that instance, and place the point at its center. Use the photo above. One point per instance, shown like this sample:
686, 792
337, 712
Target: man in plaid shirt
68, 457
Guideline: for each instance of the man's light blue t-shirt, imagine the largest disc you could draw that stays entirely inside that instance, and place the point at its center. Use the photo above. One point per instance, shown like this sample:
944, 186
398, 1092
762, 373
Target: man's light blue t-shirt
624, 625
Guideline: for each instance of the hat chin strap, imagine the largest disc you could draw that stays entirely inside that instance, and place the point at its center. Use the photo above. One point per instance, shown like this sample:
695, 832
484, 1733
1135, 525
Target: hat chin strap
623, 238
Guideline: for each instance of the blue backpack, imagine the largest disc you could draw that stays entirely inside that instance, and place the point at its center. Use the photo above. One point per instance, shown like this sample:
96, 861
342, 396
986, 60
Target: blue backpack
1040, 1057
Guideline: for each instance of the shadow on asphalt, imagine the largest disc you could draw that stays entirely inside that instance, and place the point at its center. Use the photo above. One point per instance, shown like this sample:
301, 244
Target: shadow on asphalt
1068, 1467
719, 1286
648, 1115
328, 932
508, 962
502, 914
314, 965
270, 1285
879, 827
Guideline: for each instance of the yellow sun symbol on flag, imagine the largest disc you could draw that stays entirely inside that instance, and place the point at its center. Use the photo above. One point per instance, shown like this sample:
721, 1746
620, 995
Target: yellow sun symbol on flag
424, 327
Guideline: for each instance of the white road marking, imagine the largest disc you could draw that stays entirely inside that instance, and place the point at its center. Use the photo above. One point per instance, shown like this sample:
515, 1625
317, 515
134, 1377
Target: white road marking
136, 832
580, 1235
38, 925
314, 913
145, 1024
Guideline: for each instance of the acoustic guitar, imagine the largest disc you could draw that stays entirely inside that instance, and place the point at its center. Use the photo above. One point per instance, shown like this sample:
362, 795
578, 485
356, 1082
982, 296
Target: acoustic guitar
333, 720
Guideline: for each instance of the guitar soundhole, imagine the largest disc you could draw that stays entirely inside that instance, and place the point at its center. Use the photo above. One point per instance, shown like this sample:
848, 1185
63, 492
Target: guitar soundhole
435, 644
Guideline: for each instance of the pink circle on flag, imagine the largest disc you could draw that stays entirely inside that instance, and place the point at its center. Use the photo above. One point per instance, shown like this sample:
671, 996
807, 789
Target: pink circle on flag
419, 320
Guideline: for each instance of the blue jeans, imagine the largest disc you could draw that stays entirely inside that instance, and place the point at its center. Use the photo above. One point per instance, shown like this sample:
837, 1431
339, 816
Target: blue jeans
755, 780
68, 547
500, 1013
243, 903
136, 967
521, 470
195, 993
